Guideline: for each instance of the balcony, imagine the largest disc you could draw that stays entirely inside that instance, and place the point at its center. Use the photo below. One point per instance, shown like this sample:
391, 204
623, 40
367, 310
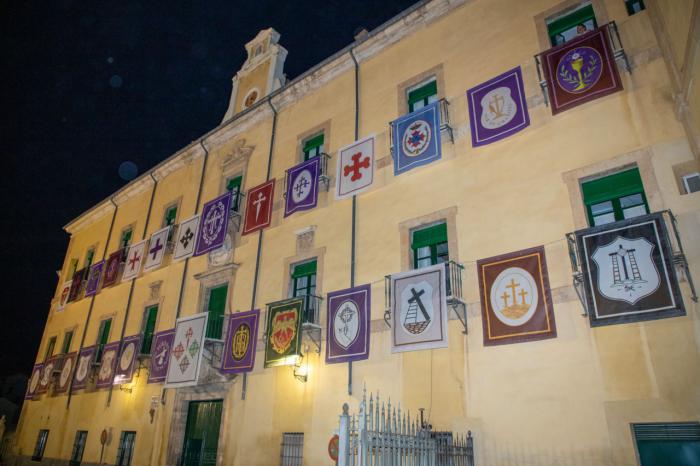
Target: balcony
445, 126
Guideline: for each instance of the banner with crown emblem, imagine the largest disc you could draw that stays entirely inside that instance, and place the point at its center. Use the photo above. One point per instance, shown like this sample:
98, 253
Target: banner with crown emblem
93, 281
416, 138
186, 354
282, 346
241, 341
160, 355
82, 367
516, 302
186, 238
112, 267
580, 70
258, 210
76, 286
348, 324
134, 260
33, 384
419, 309
156, 249
127, 359
302, 186
628, 271
67, 367
355, 170
105, 374
63, 294
497, 108
213, 224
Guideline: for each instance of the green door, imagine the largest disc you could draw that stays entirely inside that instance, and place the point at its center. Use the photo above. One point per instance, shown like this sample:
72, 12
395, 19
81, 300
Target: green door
202, 433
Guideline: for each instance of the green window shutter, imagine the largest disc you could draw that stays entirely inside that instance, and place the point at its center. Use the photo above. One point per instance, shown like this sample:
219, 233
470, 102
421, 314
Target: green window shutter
104, 336
49, 348
429, 236
170, 215
305, 269
217, 305
313, 143
234, 184
67, 339
422, 93
611, 187
126, 238
571, 20
148, 329
89, 257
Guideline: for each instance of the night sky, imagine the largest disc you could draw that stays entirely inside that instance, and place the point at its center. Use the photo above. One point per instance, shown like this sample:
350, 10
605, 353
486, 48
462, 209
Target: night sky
90, 85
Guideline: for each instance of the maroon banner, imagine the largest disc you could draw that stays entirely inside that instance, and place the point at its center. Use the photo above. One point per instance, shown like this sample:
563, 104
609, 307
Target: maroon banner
580, 70
258, 211
112, 267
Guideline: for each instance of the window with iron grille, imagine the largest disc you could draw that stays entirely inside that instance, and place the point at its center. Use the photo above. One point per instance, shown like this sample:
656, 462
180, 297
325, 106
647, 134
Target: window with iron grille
233, 185
41, 445
304, 286
291, 453
76, 456
675, 443
421, 95
429, 246
126, 448
313, 147
691, 182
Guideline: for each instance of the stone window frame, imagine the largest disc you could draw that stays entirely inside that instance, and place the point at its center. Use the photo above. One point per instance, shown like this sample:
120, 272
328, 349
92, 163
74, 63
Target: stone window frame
131, 225
74, 329
45, 348
175, 203
224, 275
93, 246
288, 264
111, 315
683, 169
155, 298
599, 9
322, 128
406, 228
640, 159
436, 72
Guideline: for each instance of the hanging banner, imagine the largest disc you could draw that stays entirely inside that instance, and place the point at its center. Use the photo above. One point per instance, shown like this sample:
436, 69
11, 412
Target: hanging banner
76, 285
580, 70
348, 324
105, 375
160, 355
516, 302
33, 384
186, 238
186, 355
93, 281
258, 210
47, 374
64, 377
628, 271
282, 346
134, 259
419, 309
213, 224
417, 138
497, 108
127, 359
63, 295
82, 368
302, 186
355, 170
114, 262
156, 249
241, 341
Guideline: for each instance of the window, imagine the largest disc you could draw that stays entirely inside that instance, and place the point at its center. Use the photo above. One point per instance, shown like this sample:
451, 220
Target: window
668, 444
422, 95
102, 338
89, 258
216, 307
125, 239
78, 448
233, 185
149, 326
67, 339
430, 246
292, 449
72, 268
170, 216
304, 286
563, 28
691, 182
50, 348
40, 445
126, 448
634, 6
614, 197
313, 147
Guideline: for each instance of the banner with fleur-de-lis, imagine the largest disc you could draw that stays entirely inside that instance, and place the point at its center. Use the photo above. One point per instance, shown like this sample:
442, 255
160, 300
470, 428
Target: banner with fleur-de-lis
580, 70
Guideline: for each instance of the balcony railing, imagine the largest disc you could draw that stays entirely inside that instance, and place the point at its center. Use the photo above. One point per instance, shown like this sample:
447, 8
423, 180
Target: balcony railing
311, 309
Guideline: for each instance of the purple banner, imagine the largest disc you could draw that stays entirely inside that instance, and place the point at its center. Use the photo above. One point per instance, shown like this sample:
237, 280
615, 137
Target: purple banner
348, 324
127, 359
47, 373
160, 355
112, 267
33, 384
93, 281
497, 108
105, 374
82, 368
213, 224
241, 340
302, 186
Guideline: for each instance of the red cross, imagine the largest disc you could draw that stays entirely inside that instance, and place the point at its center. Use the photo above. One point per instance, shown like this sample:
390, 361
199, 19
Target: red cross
134, 260
354, 168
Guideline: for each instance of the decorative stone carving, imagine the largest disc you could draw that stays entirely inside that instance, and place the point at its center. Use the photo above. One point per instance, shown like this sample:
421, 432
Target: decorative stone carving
222, 255
155, 290
239, 153
305, 239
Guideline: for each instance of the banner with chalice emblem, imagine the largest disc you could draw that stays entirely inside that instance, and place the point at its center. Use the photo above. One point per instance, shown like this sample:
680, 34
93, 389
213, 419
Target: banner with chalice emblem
241, 339
516, 302
283, 332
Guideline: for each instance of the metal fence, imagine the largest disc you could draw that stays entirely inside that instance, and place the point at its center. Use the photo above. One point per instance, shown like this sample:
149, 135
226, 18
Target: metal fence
382, 435
291, 450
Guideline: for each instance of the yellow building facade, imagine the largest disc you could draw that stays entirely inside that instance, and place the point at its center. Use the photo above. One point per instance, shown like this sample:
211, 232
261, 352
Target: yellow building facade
571, 399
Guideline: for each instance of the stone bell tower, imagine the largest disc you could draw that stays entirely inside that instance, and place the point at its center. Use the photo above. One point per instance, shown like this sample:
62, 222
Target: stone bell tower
261, 73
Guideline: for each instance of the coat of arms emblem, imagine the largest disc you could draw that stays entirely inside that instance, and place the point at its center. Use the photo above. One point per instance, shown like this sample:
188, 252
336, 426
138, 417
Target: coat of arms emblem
346, 325
284, 328
417, 308
498, 108
241, 339
579, 69
416, 138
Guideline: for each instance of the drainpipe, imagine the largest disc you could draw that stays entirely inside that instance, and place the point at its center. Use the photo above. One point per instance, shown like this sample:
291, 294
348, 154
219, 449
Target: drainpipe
133, 282
354, 198
92, 300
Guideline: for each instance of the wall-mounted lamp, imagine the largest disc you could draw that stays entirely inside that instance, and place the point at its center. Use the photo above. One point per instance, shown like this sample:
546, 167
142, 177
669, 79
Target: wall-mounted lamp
301, 366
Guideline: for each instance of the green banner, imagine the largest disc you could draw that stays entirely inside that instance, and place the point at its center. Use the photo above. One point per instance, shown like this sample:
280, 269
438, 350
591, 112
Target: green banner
283, 343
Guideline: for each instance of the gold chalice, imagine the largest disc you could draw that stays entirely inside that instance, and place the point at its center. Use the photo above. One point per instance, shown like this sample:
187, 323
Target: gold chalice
576, 65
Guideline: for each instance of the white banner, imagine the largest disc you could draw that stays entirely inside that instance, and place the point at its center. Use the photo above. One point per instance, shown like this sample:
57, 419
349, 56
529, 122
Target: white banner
186, 353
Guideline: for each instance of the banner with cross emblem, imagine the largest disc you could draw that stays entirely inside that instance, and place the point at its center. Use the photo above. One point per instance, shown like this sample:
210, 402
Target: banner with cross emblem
186, 238
186, 354
516, 303
160, 355
213, 224
348, 324
241, 341
302, 186
258, 210
156, 249
419, 309
355, 172
134, 260
416, 138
